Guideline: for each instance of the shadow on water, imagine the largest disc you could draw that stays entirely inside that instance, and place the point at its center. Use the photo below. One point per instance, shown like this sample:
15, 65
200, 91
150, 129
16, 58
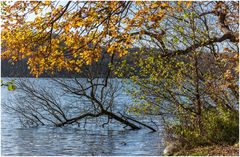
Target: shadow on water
73, 141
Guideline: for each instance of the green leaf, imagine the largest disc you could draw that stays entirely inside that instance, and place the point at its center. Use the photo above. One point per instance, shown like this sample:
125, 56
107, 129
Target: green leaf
12, 87
181, 29
175, 40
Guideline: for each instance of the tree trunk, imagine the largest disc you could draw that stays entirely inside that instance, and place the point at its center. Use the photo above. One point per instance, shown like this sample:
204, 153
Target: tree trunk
123, 121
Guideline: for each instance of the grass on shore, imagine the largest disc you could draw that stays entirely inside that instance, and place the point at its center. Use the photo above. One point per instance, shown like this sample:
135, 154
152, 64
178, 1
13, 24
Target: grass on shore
215, 150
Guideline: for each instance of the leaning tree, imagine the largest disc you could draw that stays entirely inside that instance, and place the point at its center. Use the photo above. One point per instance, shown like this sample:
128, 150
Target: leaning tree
193, 68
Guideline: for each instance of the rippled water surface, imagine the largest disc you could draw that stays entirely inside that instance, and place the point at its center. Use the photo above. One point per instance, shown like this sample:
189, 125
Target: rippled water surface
74, 140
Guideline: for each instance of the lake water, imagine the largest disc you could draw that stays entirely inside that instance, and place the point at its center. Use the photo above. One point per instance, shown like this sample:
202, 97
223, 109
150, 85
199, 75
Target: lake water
73, 140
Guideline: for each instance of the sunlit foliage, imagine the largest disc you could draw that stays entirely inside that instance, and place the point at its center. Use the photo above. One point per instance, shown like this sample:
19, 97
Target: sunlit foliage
67, 35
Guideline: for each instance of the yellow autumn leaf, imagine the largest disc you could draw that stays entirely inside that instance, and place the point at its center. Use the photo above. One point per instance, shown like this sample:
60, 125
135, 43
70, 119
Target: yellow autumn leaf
188, 4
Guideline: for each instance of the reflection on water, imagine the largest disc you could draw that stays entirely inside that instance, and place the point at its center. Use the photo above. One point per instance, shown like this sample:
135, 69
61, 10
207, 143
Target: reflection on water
72, 140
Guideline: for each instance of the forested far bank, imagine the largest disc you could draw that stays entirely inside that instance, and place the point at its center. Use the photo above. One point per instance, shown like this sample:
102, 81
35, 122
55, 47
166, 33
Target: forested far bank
20, 68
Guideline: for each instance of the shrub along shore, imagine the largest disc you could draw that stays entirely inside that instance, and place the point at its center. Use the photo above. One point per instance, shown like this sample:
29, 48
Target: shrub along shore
219, 135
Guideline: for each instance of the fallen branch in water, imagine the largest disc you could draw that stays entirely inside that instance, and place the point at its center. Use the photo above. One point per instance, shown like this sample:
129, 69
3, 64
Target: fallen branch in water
132, 119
